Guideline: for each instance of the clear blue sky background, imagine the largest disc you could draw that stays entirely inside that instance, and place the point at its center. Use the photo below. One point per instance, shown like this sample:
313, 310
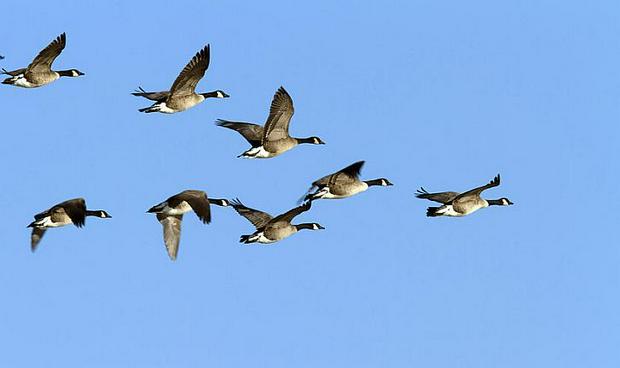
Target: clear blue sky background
443, 94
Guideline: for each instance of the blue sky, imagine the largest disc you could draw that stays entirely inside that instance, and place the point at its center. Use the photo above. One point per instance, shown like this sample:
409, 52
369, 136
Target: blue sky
440, 94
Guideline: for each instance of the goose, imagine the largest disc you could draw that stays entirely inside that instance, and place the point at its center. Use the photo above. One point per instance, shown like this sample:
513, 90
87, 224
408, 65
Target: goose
72, 211
39, 72
272, 139
272, 229
343, 183
182, 95
170, 214
461, 204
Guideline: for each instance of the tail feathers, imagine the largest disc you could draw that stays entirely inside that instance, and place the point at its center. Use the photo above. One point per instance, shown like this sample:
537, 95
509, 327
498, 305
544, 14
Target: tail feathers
8, 81
244, 239
156, 208
148, 109
433, 212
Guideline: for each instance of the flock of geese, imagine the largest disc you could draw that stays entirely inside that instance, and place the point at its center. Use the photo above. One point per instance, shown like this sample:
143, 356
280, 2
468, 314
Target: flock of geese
268, 140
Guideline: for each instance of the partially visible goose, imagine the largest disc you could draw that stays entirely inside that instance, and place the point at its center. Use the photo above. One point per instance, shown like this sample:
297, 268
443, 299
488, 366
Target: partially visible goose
170, 214
182, 94
343, 183
272, 229
68, 212
461, 204
39, 72
272, 139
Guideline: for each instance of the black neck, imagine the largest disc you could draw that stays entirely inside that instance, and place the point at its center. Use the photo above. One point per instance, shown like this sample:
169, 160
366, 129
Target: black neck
218, 202
494, 202
65, 73
209, 94
93, 213
305, 140
304, 226
373, 182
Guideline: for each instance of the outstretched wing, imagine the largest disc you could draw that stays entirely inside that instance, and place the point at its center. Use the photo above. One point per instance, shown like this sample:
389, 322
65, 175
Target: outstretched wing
440, 197
14, 73
187, 80
43, 61
172, 232
291, 214
253, 133
153, 96
280, 115
476, 191
258, 218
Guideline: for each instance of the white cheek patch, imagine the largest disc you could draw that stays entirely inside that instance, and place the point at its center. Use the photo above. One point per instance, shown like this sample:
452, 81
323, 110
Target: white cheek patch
220, 94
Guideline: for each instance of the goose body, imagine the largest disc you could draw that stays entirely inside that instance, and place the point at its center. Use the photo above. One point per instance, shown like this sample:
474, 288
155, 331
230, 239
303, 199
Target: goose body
272, 229
72, 211
343, 183
182, 94
170, 214
273, 138
39, 72
461, 204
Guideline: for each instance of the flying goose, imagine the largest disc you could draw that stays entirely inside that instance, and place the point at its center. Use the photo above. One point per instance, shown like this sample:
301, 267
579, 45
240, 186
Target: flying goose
343, 183
170, 214
39, 72
272, 139
272, 229
182, 94
461, 204
68, 212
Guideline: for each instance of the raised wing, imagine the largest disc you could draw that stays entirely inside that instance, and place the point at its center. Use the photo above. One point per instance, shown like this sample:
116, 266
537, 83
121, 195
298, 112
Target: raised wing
253, 133
153, 96
291, 214
172, 232
187, 80
348, 174
476, 191
43, 61
280, 115
440, 197
258, 218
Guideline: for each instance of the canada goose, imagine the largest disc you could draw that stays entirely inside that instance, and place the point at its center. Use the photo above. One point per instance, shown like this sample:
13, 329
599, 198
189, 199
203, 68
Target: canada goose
39, 72
272, 229
182, 94
272, 139
343, 183
461, 204
68, 212
170, 214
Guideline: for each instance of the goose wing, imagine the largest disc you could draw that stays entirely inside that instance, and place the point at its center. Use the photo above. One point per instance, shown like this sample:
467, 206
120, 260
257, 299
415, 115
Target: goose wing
186, 82
349, 174
35, 237
171, 225
258, 218
280, 115
440, 197
153, 96
291, 214
253, 133
476, 191
43, 61
14, 73
198, 201
74, 208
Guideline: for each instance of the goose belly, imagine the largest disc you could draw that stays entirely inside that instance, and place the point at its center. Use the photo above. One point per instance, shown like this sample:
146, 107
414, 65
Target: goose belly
279, 232
177, 104
344, 191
